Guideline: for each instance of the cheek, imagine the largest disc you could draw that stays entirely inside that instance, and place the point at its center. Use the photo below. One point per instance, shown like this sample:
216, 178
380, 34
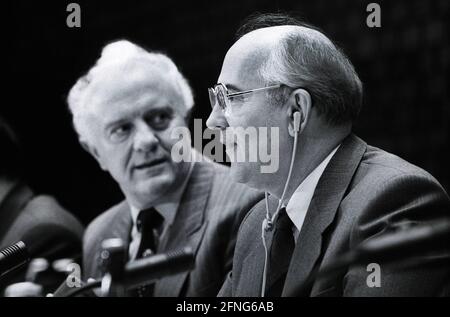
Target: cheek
239, 118
116, 157
167, 140
252, 114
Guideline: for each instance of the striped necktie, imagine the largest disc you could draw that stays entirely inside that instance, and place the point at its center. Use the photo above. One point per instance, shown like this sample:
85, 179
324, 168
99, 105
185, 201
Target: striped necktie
149, 224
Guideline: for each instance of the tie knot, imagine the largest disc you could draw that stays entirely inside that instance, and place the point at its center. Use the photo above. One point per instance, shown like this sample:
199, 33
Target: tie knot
148, 219
284, 222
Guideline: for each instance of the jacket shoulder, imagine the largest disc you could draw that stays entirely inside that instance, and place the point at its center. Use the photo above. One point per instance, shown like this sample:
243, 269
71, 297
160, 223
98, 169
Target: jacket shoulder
380, 164
388, 191
101, 225
48, 229
44, 213
379, 169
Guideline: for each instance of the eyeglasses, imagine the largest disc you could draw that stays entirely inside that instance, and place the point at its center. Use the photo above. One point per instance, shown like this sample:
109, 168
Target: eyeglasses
220, 95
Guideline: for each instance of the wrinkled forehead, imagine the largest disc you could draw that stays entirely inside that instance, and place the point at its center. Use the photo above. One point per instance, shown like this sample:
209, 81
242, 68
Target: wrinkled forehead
128, 87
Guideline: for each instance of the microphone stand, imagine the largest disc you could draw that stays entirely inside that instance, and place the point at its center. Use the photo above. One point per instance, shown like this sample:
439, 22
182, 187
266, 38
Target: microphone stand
113, 261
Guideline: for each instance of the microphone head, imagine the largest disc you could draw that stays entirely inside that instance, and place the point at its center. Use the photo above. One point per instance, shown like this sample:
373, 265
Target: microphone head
13, 257
152, 268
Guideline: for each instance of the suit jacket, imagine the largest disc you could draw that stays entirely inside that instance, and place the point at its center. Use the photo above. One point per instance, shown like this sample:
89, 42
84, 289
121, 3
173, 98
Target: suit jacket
207, 220
48, 230
364, 192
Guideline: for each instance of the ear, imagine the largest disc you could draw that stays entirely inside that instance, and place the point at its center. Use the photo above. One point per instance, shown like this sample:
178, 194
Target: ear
299, 101
93, 151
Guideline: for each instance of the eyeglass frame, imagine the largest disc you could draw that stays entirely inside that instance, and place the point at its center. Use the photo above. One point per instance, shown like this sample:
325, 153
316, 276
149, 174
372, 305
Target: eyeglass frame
234, 94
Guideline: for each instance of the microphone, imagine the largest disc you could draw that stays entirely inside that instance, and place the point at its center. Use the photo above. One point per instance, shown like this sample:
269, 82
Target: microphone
152, 268
32, 244
140, 272
13, 257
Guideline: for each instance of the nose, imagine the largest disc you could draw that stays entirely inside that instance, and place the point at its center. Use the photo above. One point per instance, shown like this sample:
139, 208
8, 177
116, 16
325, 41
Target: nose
145, 139
217, 119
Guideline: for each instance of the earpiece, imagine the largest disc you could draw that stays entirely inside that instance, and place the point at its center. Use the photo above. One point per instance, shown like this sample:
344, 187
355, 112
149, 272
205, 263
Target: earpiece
297, 117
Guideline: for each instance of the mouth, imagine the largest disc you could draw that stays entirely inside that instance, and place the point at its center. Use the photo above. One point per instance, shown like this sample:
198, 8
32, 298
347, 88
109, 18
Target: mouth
231, 143
232, 146
231, 151
150, 164
222, 138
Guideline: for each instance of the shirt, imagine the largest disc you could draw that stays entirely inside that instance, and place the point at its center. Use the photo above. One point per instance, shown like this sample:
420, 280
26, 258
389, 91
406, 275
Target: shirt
300, 200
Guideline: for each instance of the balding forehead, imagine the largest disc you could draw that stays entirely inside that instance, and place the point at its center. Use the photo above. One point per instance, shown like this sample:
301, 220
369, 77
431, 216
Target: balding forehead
266, 36
250, 52
272, 36
245, 57
253, 49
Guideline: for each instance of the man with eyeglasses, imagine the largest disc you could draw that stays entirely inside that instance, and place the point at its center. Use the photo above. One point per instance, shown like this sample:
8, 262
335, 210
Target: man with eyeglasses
124, 111
331, 191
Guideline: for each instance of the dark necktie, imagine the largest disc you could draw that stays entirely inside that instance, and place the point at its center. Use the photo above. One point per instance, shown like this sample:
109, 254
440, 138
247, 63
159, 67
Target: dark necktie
149, 224
283, 245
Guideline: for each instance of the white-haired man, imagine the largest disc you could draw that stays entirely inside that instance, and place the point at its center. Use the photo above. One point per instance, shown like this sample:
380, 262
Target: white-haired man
124, 111
332, 191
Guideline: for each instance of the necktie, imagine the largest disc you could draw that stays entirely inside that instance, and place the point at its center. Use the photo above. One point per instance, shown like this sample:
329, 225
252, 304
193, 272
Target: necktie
283, 245
148, 223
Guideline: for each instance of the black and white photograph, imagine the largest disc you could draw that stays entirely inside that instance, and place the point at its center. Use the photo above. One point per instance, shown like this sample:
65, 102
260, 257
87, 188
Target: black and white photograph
235, 152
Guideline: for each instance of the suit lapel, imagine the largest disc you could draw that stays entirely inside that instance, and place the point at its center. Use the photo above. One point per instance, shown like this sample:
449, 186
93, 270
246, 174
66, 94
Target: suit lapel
188, 226
249, 282
321, 213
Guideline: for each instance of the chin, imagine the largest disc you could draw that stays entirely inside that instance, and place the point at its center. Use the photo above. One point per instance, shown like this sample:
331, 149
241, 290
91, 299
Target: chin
246, 173
156, 187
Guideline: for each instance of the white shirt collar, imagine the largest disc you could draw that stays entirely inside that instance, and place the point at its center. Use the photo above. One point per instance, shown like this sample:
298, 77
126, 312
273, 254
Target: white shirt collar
300, 200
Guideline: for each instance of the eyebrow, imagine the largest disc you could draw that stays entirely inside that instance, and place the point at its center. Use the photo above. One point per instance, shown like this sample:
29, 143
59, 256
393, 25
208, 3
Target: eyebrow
115, 123
152, 111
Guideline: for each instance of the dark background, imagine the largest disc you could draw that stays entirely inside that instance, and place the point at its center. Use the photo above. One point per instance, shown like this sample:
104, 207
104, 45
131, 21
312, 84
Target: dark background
404, 66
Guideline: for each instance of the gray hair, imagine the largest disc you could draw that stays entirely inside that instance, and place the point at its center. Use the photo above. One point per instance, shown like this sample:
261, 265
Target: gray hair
120, 55
306, 58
